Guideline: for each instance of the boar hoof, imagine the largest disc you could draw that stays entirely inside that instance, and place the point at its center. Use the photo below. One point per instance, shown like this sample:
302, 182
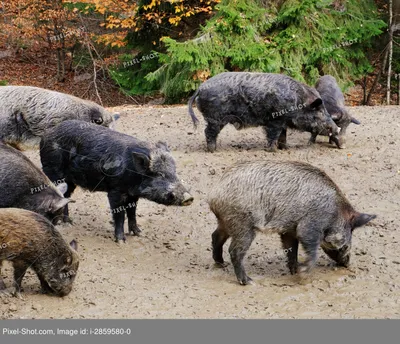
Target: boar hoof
293, 269
272, 149
211, 147
16, 293
121, 241
67, 219
135, 231
283, 146
2, 285
221, 265
245, 281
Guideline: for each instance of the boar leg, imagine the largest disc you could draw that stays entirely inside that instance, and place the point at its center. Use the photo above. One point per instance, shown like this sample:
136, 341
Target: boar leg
219, 237
212, 130
237, 250
70, 190
290, 245
20, 268
45, 286
282, 140
2, 284
118, 212
310, 240
313, 138
131, 214
273, 132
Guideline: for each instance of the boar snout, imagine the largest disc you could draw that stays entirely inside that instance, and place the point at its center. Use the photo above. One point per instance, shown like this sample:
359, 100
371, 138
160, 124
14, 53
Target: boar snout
339, 141
334, 130
187, 199
340, 256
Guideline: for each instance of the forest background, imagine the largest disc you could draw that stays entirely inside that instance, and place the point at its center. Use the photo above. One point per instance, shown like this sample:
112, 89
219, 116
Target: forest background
159, 52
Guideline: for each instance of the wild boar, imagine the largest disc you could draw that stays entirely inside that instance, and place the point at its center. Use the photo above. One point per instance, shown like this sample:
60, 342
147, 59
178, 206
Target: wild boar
296, 200
333, 100
259, 99
29, 240
100, 159
27, 112
23, 185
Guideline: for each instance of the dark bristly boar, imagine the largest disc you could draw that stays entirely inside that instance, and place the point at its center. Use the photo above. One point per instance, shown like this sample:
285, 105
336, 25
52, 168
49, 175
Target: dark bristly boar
333, 100
27, 112
29, 240
23, 185
100, 159
296, 200
259, 99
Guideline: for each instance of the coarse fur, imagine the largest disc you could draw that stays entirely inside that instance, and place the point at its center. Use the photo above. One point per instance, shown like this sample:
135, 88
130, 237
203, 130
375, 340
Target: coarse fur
259, 99
296, 200
27, 112
334, 103
100, 159
23, 185
29, 240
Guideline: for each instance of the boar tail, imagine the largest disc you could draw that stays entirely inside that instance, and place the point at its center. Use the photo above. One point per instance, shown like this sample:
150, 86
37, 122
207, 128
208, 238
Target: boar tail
191, 112
355, 121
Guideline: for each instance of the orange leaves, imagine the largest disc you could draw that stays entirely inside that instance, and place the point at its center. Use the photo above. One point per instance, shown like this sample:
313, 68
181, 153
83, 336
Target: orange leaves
174, 20
202, 75
153, 3
124, 14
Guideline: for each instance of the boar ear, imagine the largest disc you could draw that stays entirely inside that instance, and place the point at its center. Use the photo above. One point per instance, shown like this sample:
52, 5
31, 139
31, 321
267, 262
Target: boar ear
74, 245
162, 145
62, 187
61, 203
316, 103
355, 121
142, 159
361, 219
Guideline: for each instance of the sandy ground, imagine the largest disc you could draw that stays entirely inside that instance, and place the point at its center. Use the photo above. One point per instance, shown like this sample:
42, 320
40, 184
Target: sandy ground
168, 272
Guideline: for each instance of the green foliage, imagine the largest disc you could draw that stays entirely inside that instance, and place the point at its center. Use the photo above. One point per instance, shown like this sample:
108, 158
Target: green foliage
130, 75
3, 82
303, 39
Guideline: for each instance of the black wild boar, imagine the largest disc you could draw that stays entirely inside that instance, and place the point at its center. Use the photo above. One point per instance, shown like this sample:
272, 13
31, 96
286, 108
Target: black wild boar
23, 185
27, 112
100, 159
29, 240
296, 200
259, 99
333, 100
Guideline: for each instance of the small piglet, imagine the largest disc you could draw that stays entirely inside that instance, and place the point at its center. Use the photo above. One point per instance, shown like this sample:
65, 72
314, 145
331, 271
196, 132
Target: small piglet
25, 186
29, 240
296, 200
100, 159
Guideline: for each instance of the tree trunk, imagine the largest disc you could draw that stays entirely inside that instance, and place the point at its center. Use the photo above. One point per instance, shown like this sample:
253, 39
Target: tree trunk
390, 51
364, 91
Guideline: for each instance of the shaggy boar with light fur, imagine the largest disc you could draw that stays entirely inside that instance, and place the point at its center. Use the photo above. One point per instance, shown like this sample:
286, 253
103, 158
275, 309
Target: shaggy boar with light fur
27, 112
294, 199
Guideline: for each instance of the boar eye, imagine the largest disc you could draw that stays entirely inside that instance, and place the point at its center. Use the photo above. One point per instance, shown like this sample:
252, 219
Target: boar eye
98, 121
162, 175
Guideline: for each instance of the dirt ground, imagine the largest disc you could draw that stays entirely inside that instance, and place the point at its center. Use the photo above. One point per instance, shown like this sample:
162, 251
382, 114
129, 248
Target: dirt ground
168, 272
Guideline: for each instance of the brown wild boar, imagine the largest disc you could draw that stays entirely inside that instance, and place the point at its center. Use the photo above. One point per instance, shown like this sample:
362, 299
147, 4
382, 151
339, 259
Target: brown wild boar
29, 240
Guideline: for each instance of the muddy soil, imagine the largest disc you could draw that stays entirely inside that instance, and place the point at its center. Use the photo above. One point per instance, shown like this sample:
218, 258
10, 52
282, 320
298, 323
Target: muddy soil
168, 272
